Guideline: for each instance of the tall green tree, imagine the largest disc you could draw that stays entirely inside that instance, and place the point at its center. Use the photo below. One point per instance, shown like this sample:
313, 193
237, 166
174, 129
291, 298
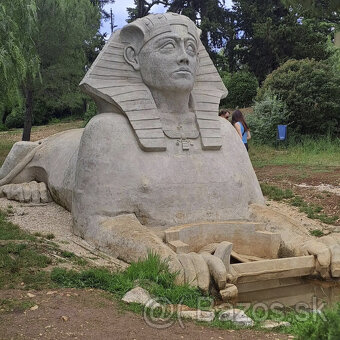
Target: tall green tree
45, 50
19, 59
268, 34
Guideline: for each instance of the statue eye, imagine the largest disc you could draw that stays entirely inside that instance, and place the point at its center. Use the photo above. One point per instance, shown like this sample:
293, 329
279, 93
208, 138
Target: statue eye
169, 46
191, 48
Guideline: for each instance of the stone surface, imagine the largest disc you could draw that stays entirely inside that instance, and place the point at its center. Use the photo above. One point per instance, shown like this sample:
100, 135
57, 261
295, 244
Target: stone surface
154, 153
244, 235
141, 296
322, 253
229, 292
197, 315
216, 269
274, 269
202, 271
237, 316
26, 192
223, 251
335, 260
190, 276
209, 248
269, 324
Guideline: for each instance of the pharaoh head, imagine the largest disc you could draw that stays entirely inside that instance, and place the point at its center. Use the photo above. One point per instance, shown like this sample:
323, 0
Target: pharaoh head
164, 48
155, 58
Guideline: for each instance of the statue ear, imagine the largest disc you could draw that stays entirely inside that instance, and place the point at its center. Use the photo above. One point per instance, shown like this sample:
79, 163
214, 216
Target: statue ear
131, 57
133, 36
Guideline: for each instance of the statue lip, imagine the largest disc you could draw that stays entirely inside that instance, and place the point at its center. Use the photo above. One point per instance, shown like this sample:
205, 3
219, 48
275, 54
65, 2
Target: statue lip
183, 69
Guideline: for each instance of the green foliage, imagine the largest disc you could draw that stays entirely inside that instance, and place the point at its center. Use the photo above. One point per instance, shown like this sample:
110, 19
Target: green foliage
242, 87
16, 118
267, 114
90, 112
13, 305
317, 232
317, 152
152, 274
320, 327
311, 93
275, 193
10, 231
265, 34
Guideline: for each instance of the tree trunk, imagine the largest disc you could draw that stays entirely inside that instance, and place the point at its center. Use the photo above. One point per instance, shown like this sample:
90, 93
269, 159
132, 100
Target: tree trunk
26, 135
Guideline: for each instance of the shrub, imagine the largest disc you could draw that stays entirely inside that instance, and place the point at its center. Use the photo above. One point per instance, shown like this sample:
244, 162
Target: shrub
90, 112
267, 114
311, 92
242, 87
15, 119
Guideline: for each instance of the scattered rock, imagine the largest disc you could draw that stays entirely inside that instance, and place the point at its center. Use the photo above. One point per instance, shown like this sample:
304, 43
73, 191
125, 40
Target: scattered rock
141, 296
237, 316
229, 292
30, 295
35, 307
198, 315
65, 318
269, 324
51, 292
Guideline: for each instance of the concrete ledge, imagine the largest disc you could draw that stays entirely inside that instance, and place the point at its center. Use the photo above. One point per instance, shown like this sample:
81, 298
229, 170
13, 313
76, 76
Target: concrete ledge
274, 269
248, 238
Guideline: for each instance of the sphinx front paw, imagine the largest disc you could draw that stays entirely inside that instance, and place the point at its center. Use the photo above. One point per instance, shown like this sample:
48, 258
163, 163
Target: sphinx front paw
32, 192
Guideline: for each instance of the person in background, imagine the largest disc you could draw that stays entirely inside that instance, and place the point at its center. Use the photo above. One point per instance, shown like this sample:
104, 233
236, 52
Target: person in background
224, 114
241, 127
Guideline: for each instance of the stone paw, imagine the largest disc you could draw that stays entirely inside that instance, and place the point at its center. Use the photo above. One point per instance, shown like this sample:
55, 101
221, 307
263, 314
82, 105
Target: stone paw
32, 192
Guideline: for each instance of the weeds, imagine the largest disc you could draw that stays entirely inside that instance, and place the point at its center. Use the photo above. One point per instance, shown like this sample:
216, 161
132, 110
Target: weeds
276, 193
316, 232
152, 274
13, 305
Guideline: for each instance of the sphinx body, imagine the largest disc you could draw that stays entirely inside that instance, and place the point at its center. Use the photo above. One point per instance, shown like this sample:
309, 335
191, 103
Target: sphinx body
157, 150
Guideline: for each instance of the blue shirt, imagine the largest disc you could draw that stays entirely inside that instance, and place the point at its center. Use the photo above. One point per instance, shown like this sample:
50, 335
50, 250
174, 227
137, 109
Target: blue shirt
244, 133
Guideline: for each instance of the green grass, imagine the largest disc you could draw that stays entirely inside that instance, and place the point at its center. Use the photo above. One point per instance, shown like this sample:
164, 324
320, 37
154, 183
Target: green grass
152, 274
14, 305
10, 231
275, 193
311, 152
317, 232
312, 211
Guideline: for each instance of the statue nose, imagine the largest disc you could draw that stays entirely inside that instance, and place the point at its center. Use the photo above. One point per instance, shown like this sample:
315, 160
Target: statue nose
183, 58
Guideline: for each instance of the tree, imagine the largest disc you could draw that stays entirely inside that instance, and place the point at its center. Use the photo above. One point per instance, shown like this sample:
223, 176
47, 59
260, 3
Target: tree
45, 49
310, 90
268, 34
19, 60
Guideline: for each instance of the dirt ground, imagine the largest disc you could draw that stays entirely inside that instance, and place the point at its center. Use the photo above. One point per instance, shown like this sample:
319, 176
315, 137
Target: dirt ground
317, 185
90, 314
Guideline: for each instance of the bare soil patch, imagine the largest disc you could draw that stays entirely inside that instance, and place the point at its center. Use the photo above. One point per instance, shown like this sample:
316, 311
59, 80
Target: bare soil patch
316, 185
92, 314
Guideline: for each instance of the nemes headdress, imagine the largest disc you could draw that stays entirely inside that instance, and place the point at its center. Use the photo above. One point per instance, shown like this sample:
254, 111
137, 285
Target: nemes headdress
117, 87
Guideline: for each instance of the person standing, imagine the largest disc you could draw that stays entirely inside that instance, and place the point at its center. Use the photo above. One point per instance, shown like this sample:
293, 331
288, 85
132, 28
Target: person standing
241, 127
224, 114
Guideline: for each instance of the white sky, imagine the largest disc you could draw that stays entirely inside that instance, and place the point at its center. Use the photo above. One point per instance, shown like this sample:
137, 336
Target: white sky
120, 13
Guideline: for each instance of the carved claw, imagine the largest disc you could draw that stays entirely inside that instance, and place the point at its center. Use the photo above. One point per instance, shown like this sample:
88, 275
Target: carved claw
32, 192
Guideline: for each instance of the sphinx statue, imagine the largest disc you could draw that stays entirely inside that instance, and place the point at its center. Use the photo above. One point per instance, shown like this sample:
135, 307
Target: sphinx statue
156, 156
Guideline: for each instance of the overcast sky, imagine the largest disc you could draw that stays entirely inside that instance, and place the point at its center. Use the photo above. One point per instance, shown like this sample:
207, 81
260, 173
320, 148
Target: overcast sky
120, 13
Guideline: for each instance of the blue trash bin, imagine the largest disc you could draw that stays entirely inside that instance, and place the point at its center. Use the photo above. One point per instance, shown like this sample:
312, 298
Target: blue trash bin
281, 133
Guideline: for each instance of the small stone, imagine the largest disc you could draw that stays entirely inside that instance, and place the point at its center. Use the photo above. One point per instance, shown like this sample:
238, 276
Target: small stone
269, 324
230, 292
141, 296
236, 316
35, 307
198, 315
30, 295
51, 292
65, 318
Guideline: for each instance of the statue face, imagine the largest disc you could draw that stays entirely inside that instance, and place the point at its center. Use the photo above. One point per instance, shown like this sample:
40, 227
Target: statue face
169, 61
